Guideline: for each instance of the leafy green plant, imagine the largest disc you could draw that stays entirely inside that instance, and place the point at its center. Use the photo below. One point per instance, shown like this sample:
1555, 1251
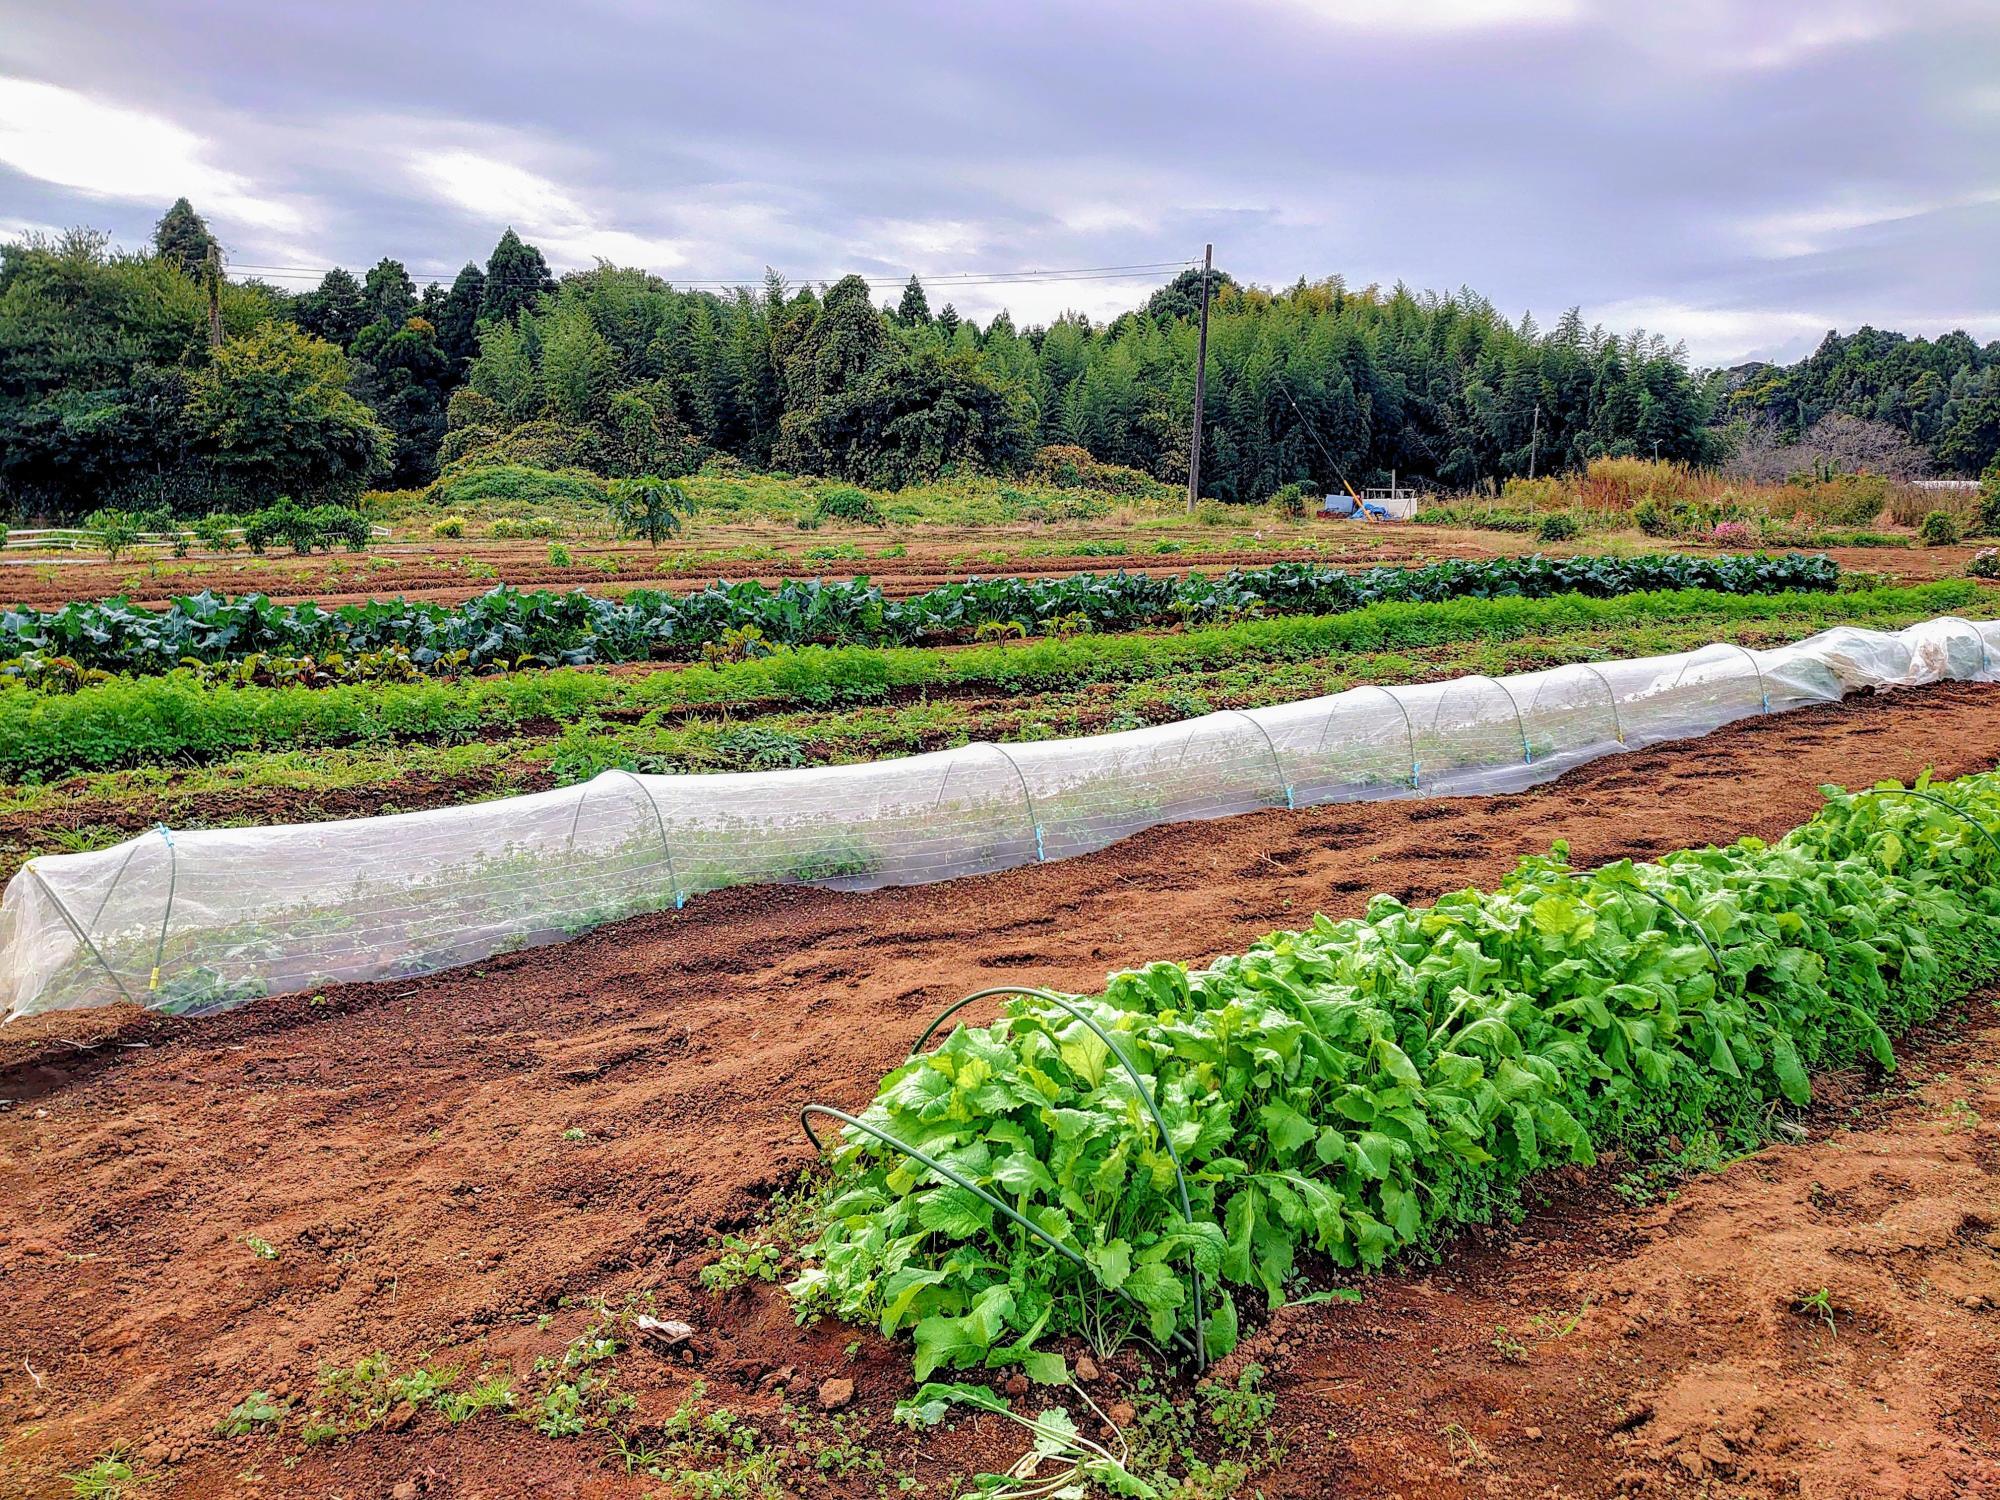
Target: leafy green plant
559, 556
448, 528
260, 1247
1817, 1304
254, 1411
510, 628
648, 508
1359, 1088
740, 1262
1055, 1439
116, 532
110, 1476
1939, 528
1557, 526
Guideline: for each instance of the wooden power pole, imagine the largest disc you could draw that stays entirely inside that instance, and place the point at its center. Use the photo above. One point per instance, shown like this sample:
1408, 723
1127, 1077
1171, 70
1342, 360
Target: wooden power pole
1200, 383
214, 279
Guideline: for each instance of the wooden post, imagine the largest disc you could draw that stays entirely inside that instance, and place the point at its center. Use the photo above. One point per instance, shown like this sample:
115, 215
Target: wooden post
1534, 439
1200, 383
214, 295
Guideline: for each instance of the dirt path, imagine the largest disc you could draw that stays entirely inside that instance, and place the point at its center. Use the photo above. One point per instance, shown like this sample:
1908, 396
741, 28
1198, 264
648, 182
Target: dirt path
402, 1148
439, 571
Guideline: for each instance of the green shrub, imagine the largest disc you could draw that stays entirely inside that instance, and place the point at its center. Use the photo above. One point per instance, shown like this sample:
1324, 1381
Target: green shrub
559, 556
485, 489
507, 528
117, 531
316, 528
1989, 499
1939, 528
1985, 564
1557, 526
218, 532
1066, 466
846, 503
1294, 500
448, 528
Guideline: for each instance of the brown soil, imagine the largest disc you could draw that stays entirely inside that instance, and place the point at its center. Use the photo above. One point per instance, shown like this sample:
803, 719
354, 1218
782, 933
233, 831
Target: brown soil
402, 1147
437, 571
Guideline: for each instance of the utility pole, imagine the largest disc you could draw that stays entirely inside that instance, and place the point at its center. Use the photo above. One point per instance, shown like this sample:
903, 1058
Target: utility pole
1534, 439
214, 295
1200, 383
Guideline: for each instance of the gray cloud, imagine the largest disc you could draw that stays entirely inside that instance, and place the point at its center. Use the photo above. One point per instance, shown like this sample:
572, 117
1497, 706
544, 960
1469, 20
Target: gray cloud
1742, 175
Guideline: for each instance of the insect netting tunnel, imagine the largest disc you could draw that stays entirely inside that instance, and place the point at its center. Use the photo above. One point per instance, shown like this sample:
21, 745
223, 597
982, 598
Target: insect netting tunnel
201, 920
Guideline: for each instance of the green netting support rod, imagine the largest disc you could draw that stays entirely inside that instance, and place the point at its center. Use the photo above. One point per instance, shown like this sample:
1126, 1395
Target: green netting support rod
1520, 725
660, 822
166, 916
1145, 1097
1610, 695
1409, 729
1277, 760
1034, 820
977, 1191
1933, 797
81, 936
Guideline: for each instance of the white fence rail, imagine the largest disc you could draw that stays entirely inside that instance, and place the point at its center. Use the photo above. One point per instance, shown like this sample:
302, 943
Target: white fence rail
77, 539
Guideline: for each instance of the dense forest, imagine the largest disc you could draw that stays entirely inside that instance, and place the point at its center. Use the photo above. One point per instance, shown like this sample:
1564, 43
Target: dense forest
151, 379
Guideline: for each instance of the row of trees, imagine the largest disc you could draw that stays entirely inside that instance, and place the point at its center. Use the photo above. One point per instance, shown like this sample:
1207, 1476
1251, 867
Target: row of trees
146, 379
1942, 395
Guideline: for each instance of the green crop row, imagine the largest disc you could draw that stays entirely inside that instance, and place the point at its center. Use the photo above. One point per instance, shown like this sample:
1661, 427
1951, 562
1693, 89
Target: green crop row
508, 628
179, 718
1359, 1088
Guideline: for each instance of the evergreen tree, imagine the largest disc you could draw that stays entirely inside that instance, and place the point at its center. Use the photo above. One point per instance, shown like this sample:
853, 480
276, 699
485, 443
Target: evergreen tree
458, 318
335, 310
181, 238
915, 309
516, 279
388, 295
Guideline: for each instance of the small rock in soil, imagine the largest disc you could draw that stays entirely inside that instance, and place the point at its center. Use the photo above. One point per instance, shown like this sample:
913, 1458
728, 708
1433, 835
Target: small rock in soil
1017, 1385
835, 1393
1122, 1414
1086, 1367
404, 1490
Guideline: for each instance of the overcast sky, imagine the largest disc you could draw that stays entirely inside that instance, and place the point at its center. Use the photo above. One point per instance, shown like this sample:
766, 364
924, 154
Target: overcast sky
1740, 176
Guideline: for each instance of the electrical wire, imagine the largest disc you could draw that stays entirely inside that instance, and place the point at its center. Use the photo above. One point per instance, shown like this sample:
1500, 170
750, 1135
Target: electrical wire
945, 279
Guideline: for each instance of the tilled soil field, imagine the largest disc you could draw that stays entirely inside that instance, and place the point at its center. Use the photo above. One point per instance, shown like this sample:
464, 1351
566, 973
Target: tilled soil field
450, 1167
448, 571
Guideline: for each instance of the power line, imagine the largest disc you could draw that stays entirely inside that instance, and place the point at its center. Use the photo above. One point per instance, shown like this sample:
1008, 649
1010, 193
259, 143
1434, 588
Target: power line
946, 279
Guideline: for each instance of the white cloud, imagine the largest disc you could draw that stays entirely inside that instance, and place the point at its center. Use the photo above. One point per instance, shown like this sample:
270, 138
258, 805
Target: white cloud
1433, 16
1806, 231
1715, 335
505, 192
105, 150
1725, 36
920, 242
493, 189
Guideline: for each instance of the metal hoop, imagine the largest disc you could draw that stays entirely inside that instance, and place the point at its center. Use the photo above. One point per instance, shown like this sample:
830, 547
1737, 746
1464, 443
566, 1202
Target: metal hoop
660, 822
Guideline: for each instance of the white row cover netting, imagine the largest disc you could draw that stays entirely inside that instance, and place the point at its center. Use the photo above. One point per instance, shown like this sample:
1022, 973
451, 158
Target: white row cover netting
198, 921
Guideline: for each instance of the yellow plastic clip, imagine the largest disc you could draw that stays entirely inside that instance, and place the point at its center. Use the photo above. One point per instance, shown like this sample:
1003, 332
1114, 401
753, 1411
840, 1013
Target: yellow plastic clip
154, 982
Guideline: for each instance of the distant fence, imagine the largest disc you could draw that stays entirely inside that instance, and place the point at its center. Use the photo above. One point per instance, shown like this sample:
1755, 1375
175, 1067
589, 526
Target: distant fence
76, 539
